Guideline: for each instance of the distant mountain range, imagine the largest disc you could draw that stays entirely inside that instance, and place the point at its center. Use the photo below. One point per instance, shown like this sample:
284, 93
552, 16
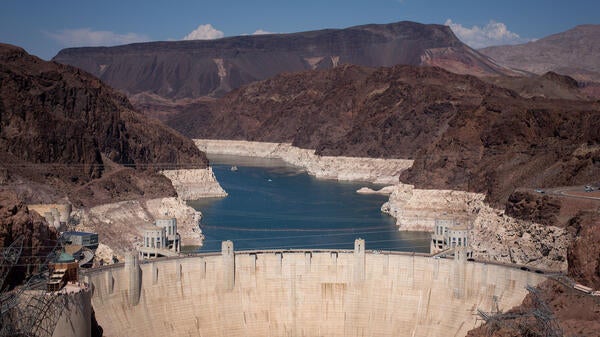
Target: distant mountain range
65, 133
191, 69
575, 52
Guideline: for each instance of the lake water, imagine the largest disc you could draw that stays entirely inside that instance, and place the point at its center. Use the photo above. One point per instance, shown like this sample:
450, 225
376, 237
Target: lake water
272, 205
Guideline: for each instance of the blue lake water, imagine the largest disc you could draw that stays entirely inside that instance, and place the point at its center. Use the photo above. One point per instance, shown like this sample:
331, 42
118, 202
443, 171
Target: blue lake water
272, 205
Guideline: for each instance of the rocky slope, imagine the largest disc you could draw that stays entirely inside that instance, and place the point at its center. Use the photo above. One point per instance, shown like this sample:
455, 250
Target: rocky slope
462, 133
572, 313
548, 85
64, 133
39, 238
496, 236
191, 69
120, 222
575, 52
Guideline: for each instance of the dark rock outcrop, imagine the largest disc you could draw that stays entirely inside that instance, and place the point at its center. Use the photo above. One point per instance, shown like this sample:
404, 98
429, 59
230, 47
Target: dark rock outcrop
188, 69
549, 85
584, 253
63, 128
533, 207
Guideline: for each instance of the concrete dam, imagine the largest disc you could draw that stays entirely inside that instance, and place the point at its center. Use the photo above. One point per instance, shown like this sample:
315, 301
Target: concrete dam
302, 293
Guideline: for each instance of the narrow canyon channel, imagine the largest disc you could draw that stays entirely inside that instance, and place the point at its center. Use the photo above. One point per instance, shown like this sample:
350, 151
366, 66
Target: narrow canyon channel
272, 205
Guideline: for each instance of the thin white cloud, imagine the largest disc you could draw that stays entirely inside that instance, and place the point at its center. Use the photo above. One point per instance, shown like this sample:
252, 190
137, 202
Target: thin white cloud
204, 32
262, 32
492, 34
87, 37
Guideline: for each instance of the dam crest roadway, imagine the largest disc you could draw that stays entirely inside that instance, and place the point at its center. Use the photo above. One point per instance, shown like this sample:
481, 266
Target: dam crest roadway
302, 293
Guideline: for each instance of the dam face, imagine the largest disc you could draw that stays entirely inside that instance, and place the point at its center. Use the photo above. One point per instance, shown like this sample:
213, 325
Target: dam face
302, 293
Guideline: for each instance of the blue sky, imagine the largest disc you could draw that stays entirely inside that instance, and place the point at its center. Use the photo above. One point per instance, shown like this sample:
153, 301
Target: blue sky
45, 27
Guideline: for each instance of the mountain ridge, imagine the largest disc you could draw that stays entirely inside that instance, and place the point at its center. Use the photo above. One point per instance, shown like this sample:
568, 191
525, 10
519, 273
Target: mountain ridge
574, 52
191, 69
64, 133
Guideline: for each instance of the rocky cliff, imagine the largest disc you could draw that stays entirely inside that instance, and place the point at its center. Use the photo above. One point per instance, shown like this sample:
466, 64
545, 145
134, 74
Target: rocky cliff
496, 236
188, 69
63, 132
461, 132
39, 238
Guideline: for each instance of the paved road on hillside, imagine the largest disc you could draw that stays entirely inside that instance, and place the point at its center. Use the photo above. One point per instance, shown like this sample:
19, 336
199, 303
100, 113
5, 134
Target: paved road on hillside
574, 192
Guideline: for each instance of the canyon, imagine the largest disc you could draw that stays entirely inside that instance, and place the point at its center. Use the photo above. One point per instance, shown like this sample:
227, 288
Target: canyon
443, 145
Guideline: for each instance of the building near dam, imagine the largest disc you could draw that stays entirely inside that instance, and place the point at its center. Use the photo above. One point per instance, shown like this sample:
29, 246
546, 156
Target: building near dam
84, 239
302, 293
449, 234
160, 239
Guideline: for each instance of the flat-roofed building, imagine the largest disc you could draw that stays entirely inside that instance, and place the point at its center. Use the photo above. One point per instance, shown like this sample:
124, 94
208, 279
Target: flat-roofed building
89, 240
160, 239
449, 234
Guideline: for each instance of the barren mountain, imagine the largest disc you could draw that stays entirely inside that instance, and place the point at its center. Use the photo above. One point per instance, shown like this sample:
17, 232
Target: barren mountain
63, 132
191, 69
575, 52
462, 133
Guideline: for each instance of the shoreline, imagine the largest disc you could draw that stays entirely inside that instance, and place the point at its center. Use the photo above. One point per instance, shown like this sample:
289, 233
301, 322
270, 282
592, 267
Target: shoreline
496, 236
194, 184
374, 170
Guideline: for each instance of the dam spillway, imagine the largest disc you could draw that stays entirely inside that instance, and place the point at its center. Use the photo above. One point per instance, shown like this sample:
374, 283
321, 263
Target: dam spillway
302, 293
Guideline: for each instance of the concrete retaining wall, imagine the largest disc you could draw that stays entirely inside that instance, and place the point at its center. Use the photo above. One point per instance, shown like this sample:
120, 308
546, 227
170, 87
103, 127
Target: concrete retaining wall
76, 314
302, 293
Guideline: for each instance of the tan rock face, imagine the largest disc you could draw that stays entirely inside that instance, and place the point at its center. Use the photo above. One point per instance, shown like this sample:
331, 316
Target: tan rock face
194, 184
106, 255
417, 210
119, 224
496, 236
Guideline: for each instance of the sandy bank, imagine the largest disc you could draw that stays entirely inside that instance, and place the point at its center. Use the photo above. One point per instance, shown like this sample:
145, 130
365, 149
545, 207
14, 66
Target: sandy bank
376, 170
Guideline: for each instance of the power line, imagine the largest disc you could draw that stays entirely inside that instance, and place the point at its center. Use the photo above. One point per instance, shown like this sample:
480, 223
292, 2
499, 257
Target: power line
84, 165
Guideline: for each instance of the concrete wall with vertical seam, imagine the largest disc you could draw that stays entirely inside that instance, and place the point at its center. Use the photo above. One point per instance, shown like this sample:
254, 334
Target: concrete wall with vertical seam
302, 293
